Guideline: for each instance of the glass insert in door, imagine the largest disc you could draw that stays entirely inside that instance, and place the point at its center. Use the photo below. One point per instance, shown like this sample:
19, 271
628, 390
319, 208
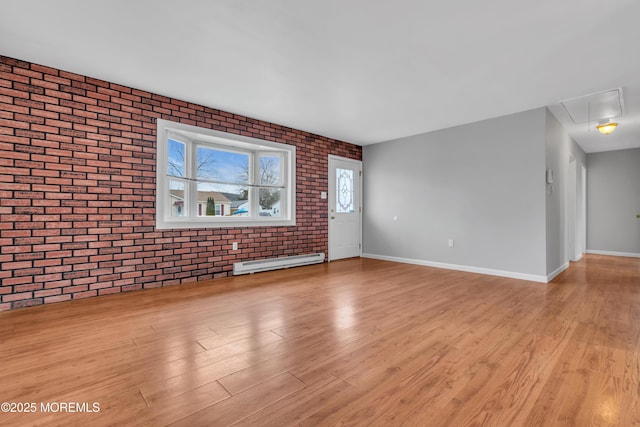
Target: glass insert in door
344, 191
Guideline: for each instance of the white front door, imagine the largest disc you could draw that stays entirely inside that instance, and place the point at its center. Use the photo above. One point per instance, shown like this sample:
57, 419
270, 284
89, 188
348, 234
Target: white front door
345, 213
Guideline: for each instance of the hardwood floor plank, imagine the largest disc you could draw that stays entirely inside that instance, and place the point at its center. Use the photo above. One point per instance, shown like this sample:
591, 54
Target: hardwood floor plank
250, 376
159, 390
240, 344
300, 407
178, 406
244, 404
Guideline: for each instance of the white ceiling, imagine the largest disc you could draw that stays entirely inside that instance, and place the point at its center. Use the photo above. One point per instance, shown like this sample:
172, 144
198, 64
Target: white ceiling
362, 71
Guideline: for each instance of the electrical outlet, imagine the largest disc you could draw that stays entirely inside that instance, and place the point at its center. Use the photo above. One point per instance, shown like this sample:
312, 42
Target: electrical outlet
450, 243
235, 246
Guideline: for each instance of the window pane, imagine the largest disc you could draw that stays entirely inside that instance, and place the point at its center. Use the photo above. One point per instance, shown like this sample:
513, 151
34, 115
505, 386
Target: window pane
176, 198
222, 200
344, 189
270, 167
269, 201
220, 165
175, 158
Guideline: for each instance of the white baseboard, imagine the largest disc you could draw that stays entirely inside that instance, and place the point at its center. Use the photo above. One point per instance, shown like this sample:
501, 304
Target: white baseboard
479, 270
557, 271
613, 253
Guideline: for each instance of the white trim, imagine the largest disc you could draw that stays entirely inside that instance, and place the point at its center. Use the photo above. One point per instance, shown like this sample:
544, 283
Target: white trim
614, 253
345, 159
557, 271
469, 269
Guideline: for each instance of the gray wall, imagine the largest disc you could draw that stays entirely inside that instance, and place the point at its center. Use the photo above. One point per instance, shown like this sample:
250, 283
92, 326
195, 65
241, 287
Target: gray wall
481, 184
559, 150
613, 201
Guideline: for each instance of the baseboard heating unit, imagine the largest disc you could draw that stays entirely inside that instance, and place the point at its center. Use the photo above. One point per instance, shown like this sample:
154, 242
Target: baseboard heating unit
276, 263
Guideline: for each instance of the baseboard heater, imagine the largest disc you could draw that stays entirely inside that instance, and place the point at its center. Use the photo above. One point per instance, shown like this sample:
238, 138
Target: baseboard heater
276, 263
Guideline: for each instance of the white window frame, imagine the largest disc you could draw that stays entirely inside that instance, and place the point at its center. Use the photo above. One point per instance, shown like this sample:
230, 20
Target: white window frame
192, 137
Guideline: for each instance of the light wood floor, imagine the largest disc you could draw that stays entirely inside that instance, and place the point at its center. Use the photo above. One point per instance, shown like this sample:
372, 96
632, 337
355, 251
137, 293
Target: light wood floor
356, 342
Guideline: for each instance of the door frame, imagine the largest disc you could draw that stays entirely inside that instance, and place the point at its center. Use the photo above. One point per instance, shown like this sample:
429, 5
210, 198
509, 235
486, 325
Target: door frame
575, 211
571, 211
582, 210
330, 177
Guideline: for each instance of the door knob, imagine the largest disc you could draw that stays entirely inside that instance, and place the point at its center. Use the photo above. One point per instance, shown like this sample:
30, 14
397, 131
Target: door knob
333, 217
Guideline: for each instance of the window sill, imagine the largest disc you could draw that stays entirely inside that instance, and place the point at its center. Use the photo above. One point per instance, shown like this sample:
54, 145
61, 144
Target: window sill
178, 224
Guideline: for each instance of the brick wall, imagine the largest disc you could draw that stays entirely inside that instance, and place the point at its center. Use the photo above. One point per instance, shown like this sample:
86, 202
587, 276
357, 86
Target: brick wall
77, 190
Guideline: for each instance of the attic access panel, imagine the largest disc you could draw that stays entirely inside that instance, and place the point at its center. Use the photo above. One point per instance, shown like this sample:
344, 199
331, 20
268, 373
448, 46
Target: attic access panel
592, 108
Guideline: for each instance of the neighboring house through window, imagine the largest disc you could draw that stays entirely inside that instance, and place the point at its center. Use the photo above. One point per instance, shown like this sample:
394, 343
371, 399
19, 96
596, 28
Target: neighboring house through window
207, 178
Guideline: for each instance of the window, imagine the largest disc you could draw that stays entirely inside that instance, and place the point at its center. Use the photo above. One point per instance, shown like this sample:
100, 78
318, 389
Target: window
207, 178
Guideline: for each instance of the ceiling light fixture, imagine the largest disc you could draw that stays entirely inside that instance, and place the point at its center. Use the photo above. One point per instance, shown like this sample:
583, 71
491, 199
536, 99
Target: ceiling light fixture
607, 128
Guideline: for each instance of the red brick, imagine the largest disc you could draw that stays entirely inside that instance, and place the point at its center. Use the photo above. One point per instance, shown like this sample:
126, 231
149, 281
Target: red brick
86, 294
15, 249
27, 287
27, 303
46, 293
57, 284
100, 285
26, 272
57, 298
17, 296
17, 281
16, 265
